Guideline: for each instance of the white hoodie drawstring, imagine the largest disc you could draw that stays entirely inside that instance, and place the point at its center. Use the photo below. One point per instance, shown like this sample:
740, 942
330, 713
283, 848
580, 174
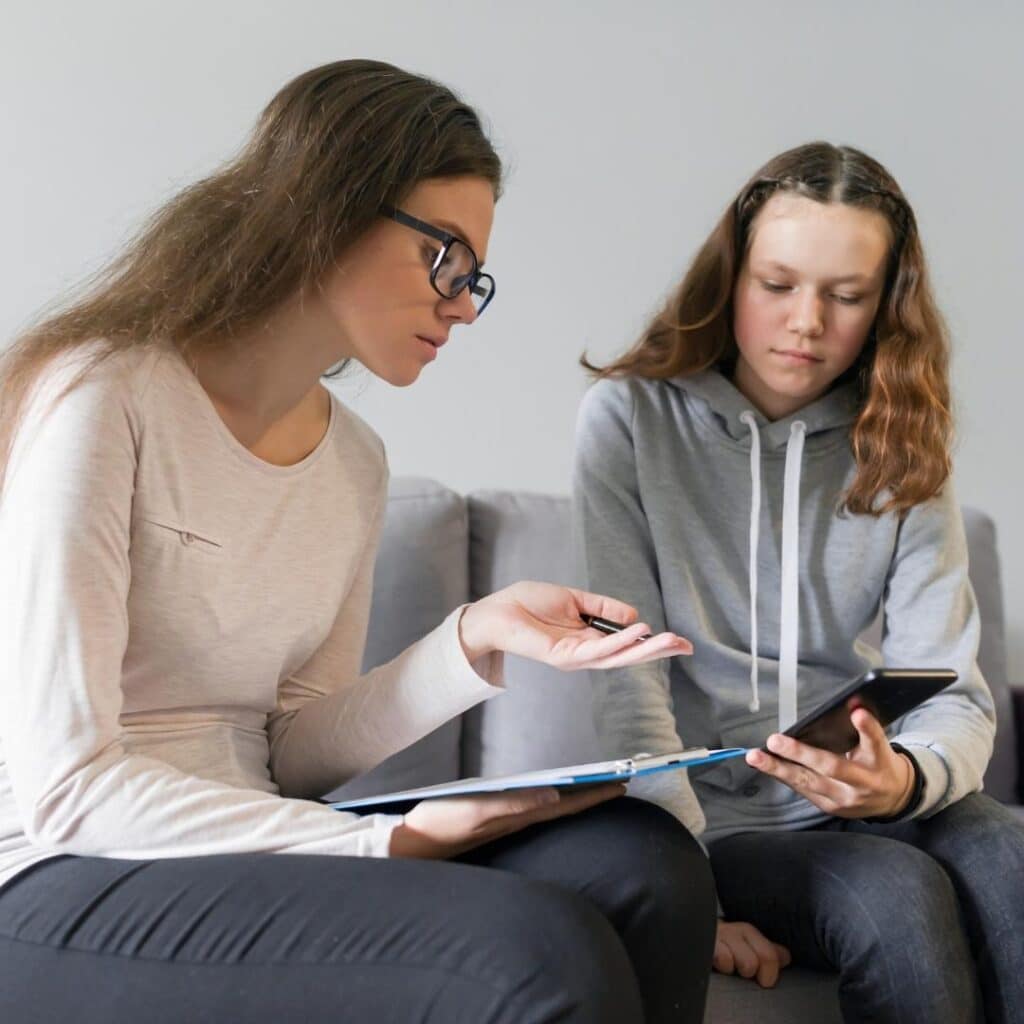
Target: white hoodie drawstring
789, 624
755, 529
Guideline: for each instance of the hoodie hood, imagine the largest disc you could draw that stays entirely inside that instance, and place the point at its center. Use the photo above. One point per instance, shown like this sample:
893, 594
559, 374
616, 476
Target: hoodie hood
723, 408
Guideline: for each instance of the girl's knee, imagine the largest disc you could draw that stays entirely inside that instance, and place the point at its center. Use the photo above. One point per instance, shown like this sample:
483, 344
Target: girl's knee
898, 875
895, 900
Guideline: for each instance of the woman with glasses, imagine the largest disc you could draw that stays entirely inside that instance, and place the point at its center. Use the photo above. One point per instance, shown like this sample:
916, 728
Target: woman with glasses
187, 536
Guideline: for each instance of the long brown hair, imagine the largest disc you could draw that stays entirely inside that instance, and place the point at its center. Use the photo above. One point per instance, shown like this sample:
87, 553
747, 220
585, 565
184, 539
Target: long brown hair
901, 438
332, 147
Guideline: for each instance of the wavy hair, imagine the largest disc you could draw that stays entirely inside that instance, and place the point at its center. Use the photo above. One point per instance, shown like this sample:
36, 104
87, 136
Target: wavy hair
903, 432
332, 147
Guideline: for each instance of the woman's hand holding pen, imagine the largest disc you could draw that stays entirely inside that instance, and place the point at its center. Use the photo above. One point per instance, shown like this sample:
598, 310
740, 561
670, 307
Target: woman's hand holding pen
543, 621
872, 780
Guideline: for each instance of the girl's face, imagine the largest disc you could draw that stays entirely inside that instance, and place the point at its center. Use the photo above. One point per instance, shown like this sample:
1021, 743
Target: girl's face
379, 299
805, 299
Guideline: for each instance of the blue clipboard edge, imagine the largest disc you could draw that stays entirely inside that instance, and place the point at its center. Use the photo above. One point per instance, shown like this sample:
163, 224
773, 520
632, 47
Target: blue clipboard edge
632, 768
718, 755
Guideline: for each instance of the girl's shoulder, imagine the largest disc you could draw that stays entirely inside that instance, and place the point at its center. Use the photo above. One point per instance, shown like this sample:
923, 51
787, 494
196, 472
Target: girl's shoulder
629, 406
618, 395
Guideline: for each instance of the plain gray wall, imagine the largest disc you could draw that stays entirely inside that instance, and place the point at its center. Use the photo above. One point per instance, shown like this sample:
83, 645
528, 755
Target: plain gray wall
626, 127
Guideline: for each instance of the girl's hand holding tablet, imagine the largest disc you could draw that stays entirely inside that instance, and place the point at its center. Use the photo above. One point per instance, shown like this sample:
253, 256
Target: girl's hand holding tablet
871, 780
543, 621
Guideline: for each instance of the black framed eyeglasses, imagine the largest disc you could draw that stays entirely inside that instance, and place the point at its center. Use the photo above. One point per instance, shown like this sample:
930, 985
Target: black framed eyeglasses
455, 267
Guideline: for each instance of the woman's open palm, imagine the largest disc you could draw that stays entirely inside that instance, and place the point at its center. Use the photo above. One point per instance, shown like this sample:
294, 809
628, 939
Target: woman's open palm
543, 621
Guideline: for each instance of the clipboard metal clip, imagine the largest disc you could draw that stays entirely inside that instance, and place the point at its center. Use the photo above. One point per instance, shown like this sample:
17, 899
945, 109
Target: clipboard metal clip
629, 764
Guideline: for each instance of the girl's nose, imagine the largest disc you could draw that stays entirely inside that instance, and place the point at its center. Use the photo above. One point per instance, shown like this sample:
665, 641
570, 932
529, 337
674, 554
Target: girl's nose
807, 316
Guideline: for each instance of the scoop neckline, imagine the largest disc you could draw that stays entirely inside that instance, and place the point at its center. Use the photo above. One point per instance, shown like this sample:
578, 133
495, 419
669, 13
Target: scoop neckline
236, 446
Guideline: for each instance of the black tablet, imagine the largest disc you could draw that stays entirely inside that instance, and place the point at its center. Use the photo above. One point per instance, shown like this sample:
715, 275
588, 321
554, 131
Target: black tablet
887, 693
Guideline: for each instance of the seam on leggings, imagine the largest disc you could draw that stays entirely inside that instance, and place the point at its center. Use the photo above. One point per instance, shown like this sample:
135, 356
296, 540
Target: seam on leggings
346, 962
844, 883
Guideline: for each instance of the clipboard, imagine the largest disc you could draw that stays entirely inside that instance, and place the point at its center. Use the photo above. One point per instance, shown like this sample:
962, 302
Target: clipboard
621, 770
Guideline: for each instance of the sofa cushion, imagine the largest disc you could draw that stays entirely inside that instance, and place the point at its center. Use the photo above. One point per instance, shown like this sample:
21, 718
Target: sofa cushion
422, 573
543, 719
800, 995
1001, 776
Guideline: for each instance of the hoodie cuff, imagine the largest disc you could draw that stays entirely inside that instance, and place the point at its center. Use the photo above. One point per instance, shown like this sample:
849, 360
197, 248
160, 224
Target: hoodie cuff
916, 793
934, 773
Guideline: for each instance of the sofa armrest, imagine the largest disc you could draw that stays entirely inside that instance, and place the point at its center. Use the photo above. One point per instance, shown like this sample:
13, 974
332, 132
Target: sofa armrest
1017, 693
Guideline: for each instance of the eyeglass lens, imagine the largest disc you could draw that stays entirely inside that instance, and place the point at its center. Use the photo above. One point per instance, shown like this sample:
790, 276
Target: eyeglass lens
456, 271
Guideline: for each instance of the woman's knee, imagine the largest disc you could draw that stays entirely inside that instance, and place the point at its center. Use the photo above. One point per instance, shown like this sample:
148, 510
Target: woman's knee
664, 861
561, 960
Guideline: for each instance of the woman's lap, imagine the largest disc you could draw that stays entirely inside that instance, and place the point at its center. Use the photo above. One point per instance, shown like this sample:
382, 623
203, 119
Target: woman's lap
249, 936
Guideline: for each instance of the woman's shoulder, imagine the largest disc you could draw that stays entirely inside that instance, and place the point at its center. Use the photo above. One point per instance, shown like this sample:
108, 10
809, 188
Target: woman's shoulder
354, 437
83, 405
95, 380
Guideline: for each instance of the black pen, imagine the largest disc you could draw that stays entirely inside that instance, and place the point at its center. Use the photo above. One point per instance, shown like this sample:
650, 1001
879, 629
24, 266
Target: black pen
607, 626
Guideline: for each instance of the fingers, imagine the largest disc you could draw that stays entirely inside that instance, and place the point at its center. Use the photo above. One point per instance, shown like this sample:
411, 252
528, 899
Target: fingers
742, 948
572, 801
452, 825
660, 646
873, 740
768, 965
823, 792
619, 649
723, 961
605, 645
743, 953
618, 611
515, 809
604, 607
664, 645
517, 802
823, 762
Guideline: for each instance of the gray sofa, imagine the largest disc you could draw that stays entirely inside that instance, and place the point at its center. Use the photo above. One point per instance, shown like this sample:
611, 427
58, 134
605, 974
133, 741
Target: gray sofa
440, 549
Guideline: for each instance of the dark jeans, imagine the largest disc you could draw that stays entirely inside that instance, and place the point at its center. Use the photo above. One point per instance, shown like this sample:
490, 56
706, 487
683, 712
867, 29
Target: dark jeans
607, 916
924, 921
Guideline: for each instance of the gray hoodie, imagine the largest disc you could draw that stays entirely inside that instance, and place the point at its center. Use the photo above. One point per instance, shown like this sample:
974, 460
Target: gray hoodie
725, 528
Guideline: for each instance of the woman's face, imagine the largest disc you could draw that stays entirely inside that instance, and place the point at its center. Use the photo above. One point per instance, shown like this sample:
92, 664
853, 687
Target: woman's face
806, 298
379, 296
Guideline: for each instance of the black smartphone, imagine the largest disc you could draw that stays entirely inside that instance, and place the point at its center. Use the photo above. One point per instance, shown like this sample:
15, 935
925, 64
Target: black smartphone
887, 693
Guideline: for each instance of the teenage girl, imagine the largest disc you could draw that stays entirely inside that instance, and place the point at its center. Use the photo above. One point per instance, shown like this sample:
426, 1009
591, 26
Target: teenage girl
766, 468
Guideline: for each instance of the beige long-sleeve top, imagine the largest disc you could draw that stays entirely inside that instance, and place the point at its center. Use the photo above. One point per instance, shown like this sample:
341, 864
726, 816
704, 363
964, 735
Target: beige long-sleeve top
182, 627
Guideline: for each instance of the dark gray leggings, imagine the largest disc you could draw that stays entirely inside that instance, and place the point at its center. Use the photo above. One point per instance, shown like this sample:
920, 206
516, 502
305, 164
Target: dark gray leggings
923, 920
607, 916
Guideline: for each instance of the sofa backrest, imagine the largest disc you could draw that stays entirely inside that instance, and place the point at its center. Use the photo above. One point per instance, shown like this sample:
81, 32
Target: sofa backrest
439, 550
422, 573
